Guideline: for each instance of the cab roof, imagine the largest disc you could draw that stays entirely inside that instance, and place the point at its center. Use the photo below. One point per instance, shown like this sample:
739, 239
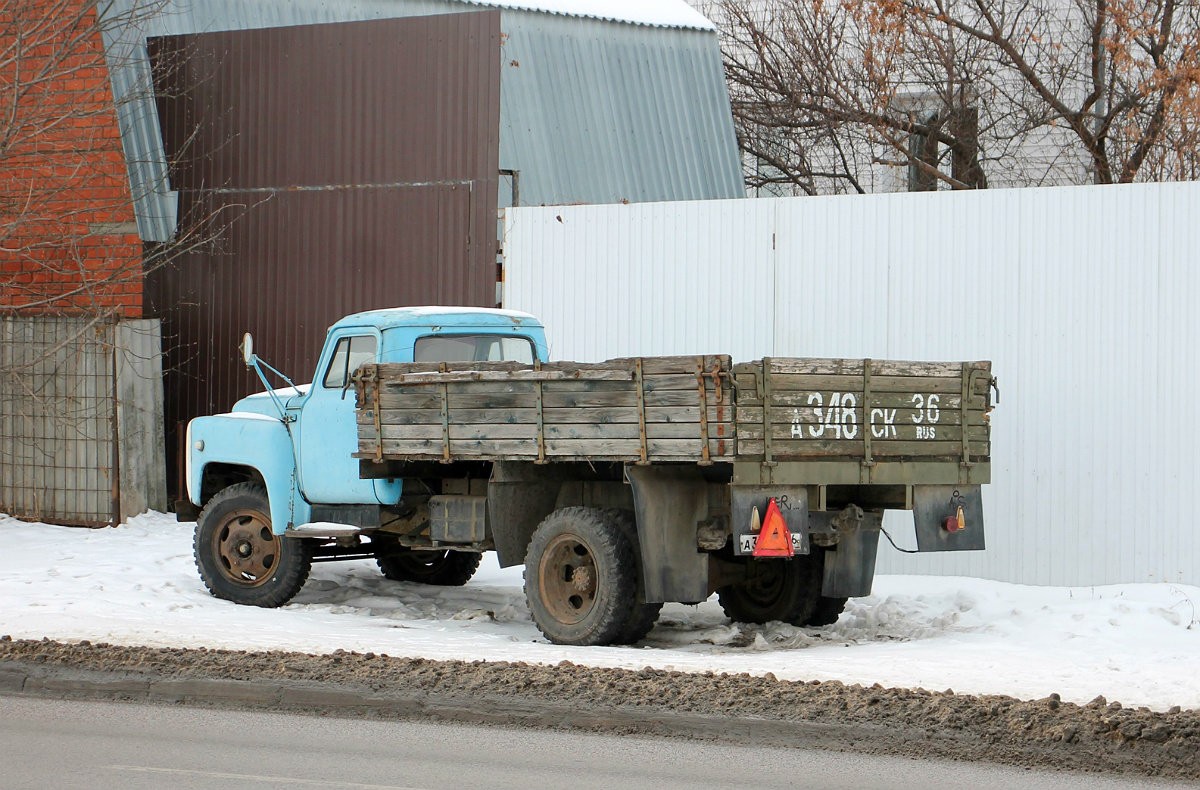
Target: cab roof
446, 317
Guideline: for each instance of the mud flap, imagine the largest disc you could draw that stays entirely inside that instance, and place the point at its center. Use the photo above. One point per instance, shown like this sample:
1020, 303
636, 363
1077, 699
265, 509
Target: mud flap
793, 504
932, 505
519, 496
850, 566
669, 502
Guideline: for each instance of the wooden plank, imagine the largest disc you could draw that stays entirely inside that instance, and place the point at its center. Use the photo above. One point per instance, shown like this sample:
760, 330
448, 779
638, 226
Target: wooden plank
676, 382
530, 374
854, 367
654, 414
879, 367
597, 415
892, 400
551, 400
813, 415
432, 416
660, 430
655, 366
594, 449
390, 370
651, 366
909, 432
818, 448
460, 387
826, 384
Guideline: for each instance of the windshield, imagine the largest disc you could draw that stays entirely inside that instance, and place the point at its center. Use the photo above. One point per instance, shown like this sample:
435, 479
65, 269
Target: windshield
473, 348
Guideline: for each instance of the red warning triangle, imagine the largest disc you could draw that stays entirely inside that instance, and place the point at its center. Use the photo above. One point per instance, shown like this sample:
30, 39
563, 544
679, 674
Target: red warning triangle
774, 540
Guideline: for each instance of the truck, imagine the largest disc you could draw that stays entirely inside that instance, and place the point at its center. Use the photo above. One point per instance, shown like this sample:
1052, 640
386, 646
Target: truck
430, 435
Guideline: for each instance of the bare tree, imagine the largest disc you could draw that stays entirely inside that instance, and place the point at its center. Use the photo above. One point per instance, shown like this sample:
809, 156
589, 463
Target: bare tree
827, 94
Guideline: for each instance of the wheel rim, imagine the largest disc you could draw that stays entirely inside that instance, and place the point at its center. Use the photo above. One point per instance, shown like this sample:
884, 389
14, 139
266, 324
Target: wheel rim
247, 551
766, 587
567, 579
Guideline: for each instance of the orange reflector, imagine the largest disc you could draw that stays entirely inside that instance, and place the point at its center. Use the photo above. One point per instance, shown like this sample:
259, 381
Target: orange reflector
774, 540
956, 523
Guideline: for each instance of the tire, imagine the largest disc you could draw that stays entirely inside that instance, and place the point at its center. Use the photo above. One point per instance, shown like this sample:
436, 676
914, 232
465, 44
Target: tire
238, 556
643, 615
827, 611
443, 568
579, 578
780, 589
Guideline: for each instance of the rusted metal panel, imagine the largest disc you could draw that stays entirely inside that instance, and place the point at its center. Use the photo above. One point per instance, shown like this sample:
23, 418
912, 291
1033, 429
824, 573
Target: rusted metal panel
326, 169
381, 102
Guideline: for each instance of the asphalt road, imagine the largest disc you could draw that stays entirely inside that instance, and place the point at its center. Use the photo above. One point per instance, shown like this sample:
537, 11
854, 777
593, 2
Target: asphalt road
101, 745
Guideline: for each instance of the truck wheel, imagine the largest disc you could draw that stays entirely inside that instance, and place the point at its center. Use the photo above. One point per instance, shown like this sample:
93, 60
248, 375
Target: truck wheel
579, 577
827, 611
238, 556
784, 590
444, 568
643, 615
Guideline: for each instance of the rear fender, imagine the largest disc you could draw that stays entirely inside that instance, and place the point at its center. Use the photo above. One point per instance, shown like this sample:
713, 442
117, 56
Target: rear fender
255, 441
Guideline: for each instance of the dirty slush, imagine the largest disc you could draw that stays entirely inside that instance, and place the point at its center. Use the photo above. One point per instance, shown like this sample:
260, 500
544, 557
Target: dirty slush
1047, 733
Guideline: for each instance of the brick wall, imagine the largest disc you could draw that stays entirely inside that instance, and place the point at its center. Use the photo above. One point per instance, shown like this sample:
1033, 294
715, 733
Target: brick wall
68, 240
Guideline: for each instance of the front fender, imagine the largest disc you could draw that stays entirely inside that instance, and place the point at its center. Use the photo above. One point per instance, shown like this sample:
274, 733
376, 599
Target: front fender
254, 440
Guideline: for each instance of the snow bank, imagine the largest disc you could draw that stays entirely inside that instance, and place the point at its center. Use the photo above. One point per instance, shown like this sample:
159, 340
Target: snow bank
137, 585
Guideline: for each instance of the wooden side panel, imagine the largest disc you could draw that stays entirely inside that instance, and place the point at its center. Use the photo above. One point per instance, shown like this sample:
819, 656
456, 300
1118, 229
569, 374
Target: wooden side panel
653, 409
673, 408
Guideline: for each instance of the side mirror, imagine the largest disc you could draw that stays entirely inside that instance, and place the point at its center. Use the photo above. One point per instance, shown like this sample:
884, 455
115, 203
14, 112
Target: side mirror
247, 349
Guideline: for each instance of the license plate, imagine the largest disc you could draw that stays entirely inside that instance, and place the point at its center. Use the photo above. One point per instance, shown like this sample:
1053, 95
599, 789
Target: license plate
746, 543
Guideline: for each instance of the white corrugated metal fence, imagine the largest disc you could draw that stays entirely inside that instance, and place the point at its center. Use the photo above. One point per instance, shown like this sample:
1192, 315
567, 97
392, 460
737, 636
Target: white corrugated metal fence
1086, 298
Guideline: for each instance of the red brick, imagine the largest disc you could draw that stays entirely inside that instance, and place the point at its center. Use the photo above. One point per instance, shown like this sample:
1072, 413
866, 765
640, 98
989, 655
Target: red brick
69, 177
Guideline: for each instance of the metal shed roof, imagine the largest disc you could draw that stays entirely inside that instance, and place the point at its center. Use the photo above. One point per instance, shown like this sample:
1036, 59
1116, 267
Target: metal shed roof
601, 100
657, 13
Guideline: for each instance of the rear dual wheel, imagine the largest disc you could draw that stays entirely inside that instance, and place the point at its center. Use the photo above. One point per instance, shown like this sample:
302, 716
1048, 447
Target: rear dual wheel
787, 590
443, 568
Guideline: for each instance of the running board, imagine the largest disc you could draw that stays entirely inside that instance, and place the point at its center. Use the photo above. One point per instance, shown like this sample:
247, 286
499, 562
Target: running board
323, 530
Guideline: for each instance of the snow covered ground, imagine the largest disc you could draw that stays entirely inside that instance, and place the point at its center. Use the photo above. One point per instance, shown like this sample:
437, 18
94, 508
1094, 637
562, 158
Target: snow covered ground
1137, 643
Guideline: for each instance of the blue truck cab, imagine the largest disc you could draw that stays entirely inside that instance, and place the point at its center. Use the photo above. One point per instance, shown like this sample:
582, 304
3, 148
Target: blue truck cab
294, 446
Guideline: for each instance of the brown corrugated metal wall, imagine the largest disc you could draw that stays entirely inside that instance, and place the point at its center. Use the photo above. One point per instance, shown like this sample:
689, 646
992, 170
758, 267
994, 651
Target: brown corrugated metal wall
322, 170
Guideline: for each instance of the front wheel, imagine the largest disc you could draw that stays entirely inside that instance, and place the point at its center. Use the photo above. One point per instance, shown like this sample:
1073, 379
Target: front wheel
444, 568
239, 558
579, 577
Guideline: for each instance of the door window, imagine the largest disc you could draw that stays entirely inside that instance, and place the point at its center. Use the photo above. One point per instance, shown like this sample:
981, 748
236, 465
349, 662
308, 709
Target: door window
473, 348
347, 356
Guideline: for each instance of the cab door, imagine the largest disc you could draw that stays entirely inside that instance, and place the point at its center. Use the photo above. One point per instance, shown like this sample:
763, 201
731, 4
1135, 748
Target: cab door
327, 431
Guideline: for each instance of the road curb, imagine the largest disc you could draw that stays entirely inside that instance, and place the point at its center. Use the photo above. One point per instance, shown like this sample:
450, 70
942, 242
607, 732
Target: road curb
348, 700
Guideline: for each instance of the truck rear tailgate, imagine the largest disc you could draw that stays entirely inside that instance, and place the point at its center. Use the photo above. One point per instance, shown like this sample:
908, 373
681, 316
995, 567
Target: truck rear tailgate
865, 409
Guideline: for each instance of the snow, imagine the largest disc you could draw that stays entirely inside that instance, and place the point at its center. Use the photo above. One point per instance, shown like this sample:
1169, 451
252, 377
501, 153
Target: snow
282, 392
248, 415
136, 584
437, 310
660, 13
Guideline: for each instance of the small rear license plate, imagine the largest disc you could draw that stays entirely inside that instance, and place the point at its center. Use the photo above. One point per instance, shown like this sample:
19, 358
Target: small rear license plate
746, 543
